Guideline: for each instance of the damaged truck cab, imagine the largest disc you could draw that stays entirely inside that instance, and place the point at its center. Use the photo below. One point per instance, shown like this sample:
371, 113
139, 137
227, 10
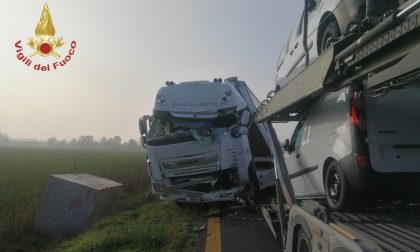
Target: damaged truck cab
197, 144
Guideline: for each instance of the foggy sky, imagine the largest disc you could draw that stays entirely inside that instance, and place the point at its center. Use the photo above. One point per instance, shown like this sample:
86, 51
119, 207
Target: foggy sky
125, 52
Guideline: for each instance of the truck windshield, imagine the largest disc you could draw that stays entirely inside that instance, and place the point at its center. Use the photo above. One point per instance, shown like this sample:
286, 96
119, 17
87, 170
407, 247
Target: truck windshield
169, 126
161, 128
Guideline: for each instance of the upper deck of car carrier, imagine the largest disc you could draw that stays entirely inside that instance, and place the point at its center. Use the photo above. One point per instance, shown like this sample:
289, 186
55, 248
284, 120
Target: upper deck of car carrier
384, 57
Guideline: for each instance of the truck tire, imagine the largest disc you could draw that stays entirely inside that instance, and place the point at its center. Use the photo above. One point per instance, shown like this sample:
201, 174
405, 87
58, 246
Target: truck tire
303, 242
330, 34
337, 189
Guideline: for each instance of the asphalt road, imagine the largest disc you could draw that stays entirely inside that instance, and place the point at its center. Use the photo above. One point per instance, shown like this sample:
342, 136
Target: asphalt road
236, 229
245, 231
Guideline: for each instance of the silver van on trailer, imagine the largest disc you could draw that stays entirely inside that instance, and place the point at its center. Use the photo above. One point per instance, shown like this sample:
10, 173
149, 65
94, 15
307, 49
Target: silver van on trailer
357, 145
328, 20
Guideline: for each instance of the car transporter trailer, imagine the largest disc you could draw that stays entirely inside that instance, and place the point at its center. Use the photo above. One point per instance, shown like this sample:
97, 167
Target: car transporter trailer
384, 57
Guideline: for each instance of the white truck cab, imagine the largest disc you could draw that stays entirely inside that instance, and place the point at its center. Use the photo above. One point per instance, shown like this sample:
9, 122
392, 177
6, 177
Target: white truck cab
198, 147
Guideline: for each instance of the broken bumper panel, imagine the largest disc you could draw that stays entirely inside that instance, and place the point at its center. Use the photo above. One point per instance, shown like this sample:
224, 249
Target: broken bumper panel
182, 195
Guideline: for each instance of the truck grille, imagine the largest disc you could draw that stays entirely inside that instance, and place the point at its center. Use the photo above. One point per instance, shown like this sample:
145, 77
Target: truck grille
190, 165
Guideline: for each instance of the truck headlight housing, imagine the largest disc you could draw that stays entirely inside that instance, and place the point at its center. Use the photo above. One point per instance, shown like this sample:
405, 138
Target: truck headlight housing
159, 187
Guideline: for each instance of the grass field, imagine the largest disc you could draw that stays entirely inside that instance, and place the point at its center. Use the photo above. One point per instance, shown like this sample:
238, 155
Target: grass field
141, 223
157, 226
30, 168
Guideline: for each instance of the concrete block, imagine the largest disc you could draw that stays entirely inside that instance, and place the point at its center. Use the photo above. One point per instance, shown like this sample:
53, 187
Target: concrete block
74, 202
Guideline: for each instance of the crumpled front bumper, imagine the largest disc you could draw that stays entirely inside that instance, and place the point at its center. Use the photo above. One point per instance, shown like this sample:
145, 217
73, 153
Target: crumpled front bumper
183, 195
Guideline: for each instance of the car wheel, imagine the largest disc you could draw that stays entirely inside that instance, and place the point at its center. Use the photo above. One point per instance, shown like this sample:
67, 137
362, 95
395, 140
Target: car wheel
330, 35
337, 189
303, 242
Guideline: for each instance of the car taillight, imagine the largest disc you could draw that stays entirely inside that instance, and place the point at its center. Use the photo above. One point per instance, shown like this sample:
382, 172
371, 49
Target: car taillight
362, 161
358, 116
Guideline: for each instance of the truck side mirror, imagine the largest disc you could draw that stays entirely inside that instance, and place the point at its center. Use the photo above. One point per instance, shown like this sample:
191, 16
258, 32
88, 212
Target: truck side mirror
286, 145
143, 141
143, 129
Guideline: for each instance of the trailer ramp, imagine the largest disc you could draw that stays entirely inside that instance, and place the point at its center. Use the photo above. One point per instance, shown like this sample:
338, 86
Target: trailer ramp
391, 231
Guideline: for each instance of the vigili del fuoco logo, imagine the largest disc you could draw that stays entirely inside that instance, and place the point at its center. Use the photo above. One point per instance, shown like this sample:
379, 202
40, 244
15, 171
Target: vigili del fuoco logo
45, 44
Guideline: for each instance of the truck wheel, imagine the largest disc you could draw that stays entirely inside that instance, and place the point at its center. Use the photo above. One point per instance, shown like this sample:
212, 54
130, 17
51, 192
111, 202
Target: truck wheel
303, 242
337, 189
329, 35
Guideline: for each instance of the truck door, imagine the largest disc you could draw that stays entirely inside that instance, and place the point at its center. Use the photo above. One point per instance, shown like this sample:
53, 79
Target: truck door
257, 136
144, 126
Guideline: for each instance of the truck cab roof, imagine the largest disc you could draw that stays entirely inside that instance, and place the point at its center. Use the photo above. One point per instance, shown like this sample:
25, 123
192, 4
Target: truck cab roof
198, 98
